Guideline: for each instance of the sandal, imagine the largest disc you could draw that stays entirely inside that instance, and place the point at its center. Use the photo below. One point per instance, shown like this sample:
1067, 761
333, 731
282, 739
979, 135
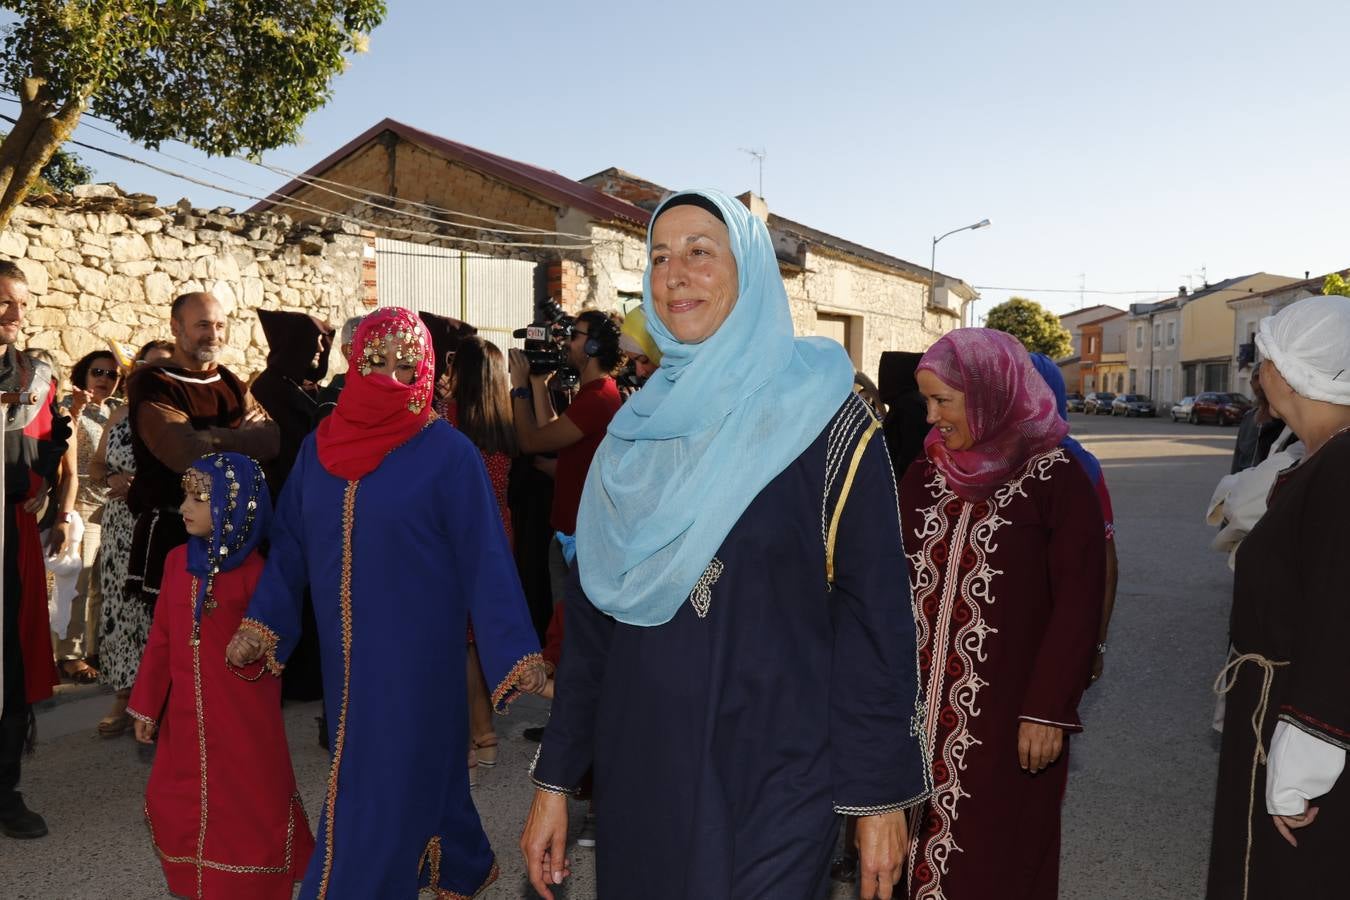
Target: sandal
79, 671
486, 750
113, 726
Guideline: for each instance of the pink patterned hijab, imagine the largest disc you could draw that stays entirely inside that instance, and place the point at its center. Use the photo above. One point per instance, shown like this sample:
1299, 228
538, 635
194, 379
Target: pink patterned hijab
1009, 408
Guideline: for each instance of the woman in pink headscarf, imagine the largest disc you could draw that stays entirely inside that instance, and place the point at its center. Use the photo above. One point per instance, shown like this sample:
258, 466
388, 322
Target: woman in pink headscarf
1003, 532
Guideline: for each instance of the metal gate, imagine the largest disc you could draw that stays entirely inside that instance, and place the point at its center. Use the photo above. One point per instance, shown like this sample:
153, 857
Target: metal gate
494, 295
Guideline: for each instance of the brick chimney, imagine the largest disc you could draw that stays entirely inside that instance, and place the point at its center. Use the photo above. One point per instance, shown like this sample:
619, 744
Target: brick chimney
755, 203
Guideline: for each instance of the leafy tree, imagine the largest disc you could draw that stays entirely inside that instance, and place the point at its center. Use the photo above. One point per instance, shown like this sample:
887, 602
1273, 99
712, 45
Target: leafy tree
1335, 284
1036, 327
226, 76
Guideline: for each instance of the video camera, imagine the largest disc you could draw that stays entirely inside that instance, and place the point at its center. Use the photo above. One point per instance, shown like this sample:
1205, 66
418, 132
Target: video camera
546, 341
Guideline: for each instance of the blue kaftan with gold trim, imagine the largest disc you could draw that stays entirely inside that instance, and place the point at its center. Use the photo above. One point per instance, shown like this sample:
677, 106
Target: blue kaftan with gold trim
396, 563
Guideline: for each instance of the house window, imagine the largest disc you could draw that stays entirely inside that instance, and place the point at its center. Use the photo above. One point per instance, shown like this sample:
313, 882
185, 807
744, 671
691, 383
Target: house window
1154, 384
1139, 337
1134, 380
1092, 345
1171, 334
1167, 386
1157, 334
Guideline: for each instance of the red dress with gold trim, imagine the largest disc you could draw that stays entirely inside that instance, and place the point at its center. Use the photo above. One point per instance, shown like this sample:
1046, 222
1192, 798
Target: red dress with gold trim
1008, 597
223, 811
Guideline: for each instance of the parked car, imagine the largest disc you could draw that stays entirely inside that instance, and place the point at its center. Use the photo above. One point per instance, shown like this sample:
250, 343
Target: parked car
1219, 408
1075, 401
1098, 403
1182, 410
1132, 405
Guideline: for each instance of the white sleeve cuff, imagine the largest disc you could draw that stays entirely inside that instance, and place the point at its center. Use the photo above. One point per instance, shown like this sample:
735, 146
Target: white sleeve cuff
1300, 768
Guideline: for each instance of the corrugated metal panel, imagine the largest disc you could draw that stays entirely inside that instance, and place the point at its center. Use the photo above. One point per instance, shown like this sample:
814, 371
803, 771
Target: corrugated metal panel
494, 295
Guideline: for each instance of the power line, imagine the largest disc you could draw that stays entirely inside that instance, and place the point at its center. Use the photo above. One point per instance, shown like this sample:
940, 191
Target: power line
313, 209
318, 183
1201, 291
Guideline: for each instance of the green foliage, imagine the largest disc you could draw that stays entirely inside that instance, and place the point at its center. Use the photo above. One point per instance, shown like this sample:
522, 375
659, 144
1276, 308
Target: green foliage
1036, 327
226, 76
1335, 284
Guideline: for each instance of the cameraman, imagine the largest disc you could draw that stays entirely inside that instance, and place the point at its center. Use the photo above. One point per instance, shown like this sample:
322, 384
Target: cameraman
592, 348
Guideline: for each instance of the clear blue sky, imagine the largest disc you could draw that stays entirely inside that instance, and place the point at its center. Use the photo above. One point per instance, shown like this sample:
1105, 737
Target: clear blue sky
1132, 143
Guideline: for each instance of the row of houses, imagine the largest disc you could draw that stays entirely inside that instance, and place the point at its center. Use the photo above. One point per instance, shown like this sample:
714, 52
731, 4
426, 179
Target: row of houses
1196, 341
460, 230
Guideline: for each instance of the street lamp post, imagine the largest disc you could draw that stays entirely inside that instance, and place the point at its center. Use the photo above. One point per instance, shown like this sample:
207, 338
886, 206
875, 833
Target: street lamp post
932, 260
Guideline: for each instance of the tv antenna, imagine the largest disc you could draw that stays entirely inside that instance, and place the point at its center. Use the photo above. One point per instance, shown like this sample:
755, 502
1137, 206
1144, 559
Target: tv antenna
759, 158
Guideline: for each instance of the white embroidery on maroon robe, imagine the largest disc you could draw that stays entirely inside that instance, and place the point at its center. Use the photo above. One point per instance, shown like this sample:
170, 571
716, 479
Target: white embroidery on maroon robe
957, 524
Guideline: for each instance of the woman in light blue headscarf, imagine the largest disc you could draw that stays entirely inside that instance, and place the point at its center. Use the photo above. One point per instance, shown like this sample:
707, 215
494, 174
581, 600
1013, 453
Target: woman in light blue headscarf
740, 663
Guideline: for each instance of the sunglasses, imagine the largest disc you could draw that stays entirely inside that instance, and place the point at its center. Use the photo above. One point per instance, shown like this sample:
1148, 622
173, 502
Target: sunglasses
96, 372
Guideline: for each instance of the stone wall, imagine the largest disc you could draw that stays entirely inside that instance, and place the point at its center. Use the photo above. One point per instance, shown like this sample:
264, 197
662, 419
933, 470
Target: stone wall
102, 264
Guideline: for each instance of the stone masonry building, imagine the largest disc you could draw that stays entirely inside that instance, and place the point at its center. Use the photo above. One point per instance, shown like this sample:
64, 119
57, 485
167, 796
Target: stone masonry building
587, 238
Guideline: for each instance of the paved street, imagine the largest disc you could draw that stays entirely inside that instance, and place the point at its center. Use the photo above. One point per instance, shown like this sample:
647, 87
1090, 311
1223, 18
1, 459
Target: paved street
1136, 821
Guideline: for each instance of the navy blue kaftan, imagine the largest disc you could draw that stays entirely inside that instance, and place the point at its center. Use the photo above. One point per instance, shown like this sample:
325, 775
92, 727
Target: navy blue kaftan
727, 741
396, 563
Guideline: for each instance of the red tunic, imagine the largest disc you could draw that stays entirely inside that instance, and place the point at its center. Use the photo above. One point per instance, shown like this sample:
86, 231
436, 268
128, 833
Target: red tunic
39, 667
223, 811
1008, 599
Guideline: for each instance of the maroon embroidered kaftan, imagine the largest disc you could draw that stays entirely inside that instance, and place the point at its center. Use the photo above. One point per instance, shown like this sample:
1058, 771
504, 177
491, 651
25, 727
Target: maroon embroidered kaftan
221, 803
1008, 597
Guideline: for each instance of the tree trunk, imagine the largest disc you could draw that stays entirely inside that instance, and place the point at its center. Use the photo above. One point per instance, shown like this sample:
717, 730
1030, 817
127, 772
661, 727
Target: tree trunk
42, 128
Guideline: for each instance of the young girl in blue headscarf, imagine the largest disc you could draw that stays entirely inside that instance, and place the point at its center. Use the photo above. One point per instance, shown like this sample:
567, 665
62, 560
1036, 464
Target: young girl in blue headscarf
222, 743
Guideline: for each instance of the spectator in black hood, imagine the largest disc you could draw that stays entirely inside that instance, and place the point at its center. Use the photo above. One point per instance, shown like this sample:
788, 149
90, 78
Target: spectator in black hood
906, 422
297, 358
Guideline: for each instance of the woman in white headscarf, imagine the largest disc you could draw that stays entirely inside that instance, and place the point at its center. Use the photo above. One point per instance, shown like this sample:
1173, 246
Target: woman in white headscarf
1284, 832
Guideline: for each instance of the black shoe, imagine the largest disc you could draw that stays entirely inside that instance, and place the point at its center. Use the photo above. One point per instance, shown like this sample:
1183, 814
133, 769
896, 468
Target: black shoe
22, 823
533, 734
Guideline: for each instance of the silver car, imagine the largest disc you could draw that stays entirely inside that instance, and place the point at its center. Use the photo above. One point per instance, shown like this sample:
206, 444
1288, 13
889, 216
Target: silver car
1182, 410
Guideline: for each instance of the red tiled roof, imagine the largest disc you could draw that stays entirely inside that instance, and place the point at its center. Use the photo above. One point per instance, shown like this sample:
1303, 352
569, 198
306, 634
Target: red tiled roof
548, 184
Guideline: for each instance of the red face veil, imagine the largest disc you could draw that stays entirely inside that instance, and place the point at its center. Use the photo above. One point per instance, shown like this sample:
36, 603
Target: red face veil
1009, 408
377, 412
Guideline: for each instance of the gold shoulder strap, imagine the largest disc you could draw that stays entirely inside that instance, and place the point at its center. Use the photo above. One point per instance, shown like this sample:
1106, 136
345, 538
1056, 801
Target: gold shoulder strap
843, 496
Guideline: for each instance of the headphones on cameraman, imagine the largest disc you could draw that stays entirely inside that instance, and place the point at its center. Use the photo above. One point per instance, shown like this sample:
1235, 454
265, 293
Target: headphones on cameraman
607, 339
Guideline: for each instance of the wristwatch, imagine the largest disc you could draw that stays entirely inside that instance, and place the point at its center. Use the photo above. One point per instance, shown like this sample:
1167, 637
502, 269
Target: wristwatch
65, 518
521, 393
1101, 648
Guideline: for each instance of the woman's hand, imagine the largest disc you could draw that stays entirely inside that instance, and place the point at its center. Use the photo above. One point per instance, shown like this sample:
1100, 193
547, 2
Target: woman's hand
145, 731
544, 841
519, 367
79, 398
119, 485
882, 843
244, 649
1038, 745
533, 679
1285, 825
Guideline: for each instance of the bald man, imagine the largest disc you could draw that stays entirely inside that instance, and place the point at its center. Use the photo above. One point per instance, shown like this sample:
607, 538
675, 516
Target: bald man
180, 411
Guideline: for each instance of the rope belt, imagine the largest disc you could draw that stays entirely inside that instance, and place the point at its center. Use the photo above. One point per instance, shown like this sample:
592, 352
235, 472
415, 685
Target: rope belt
1222, 685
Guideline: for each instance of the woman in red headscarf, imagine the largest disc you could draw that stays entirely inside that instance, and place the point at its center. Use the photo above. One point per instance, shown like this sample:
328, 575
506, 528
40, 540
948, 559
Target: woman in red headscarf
1003, 532
388, 516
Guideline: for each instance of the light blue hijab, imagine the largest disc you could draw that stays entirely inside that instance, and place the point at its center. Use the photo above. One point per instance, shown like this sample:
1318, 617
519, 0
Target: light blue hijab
717, 422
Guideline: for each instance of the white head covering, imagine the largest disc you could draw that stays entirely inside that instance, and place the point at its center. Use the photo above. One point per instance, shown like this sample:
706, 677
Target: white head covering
1309, 342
